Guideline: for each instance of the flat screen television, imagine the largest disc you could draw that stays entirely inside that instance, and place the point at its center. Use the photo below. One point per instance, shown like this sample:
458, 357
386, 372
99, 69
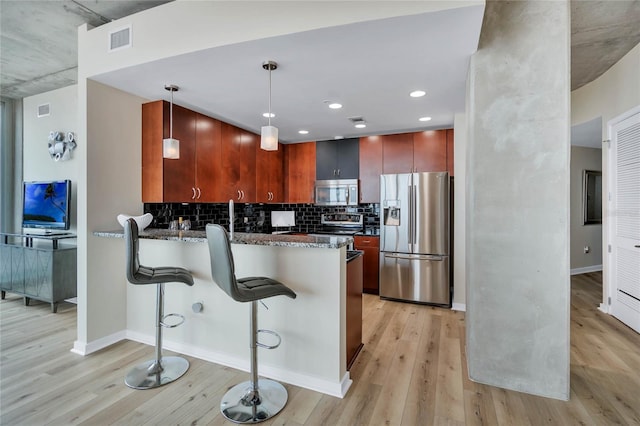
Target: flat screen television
46, 205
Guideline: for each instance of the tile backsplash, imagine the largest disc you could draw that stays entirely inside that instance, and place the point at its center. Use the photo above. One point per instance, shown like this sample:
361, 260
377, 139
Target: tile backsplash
253, 217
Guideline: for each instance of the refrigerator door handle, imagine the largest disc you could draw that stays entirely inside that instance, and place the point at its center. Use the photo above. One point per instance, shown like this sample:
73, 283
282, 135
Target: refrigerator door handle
410, 227
434, 258
414, 226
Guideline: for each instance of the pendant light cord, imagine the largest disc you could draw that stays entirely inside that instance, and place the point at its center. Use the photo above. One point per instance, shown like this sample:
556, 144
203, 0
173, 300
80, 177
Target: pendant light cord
171, 117
269, 95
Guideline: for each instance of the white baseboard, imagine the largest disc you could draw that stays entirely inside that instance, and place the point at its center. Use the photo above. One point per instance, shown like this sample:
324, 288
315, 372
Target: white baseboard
83, 348
459, 307
338, 389
603, 308
586, 269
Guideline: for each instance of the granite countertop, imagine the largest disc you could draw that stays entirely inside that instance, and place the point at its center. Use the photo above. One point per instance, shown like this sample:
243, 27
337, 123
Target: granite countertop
280, 240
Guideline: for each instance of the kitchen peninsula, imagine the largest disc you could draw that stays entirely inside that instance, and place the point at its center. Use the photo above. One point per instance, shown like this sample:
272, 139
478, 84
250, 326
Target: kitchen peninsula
313, 326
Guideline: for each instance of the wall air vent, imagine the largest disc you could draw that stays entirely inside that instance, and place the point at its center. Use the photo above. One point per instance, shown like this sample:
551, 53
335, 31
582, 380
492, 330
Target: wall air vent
44, 110
120, 39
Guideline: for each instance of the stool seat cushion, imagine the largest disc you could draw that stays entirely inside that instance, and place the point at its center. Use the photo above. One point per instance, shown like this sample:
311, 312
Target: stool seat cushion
256, 288
223, 272
162, 274
140, 274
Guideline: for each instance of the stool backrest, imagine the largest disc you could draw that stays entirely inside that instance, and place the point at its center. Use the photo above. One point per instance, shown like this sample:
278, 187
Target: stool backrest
131, 243
222, 267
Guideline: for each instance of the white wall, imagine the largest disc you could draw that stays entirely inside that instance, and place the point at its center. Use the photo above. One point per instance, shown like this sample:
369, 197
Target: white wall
459, 211
612, 94
582, 235
37, 163
111, 184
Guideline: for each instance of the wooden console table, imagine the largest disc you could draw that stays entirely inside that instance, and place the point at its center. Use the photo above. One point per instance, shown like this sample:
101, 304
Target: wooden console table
46, 273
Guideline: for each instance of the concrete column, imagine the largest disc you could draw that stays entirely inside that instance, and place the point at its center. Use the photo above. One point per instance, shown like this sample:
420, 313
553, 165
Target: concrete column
517, 213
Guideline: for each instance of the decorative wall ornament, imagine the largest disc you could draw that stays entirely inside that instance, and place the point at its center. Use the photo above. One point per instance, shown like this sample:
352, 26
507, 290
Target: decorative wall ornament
61, 145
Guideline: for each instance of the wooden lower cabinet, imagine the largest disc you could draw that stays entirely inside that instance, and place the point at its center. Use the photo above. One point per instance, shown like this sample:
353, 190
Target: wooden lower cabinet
370, 244
354, 309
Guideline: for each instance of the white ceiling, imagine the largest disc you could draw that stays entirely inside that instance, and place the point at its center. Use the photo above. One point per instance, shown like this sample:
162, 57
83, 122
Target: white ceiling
370, 68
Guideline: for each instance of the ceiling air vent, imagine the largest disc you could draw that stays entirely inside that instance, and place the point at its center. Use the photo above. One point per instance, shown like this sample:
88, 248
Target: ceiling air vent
44, 110
120, 39
356, 120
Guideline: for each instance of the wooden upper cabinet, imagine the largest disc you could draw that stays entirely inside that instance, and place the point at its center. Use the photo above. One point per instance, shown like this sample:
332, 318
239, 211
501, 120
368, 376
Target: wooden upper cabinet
430, 151
299, 172
276, 174
269, 175
165, 180
247, 159
425, 151
397, 153
370, 154
337, 159
450, 151
230, 162
181, 171
152, 134
238, 164
208, 158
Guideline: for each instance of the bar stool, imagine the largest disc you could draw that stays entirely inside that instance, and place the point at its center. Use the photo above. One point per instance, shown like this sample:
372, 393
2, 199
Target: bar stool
255, 400
161, 370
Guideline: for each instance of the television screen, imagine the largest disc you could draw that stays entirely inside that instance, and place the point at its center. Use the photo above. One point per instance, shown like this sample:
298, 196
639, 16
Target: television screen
46, 204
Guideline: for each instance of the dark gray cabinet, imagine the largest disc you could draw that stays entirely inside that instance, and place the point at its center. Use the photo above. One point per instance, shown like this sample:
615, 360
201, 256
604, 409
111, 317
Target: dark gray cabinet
42, 273
338, 159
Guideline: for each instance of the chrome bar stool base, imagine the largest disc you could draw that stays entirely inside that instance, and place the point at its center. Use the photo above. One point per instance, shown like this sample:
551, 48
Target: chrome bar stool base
147, 375
243, 405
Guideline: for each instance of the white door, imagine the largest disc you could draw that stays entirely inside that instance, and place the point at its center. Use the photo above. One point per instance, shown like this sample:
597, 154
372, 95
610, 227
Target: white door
625, 220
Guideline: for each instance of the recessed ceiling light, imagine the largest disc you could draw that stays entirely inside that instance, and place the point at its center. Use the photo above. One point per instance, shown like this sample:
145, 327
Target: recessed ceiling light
360, 126
333, 105
267, 115
338, 137
425, 119
417, 93
303, 132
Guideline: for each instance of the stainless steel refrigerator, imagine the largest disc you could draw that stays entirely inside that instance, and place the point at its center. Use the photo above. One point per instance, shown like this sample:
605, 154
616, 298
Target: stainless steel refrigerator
414, 237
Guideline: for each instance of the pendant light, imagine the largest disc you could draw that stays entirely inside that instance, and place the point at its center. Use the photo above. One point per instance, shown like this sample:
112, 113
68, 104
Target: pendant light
269, 134
171, 146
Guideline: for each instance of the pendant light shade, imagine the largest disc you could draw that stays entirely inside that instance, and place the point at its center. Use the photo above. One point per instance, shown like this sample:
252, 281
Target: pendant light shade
269, 134
171, 146
171, 149
269, 138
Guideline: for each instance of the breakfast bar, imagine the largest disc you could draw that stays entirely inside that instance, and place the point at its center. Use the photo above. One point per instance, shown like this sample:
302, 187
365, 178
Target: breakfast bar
312, 327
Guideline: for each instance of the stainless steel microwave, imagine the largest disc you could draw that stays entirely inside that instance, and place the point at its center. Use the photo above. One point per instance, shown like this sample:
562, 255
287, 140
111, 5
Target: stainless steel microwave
339, 192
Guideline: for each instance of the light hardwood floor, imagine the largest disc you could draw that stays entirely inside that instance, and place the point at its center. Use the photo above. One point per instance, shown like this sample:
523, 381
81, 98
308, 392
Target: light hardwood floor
412, 371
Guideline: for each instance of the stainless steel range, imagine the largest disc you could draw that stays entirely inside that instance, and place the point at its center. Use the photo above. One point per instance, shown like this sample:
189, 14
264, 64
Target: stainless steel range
340, 224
